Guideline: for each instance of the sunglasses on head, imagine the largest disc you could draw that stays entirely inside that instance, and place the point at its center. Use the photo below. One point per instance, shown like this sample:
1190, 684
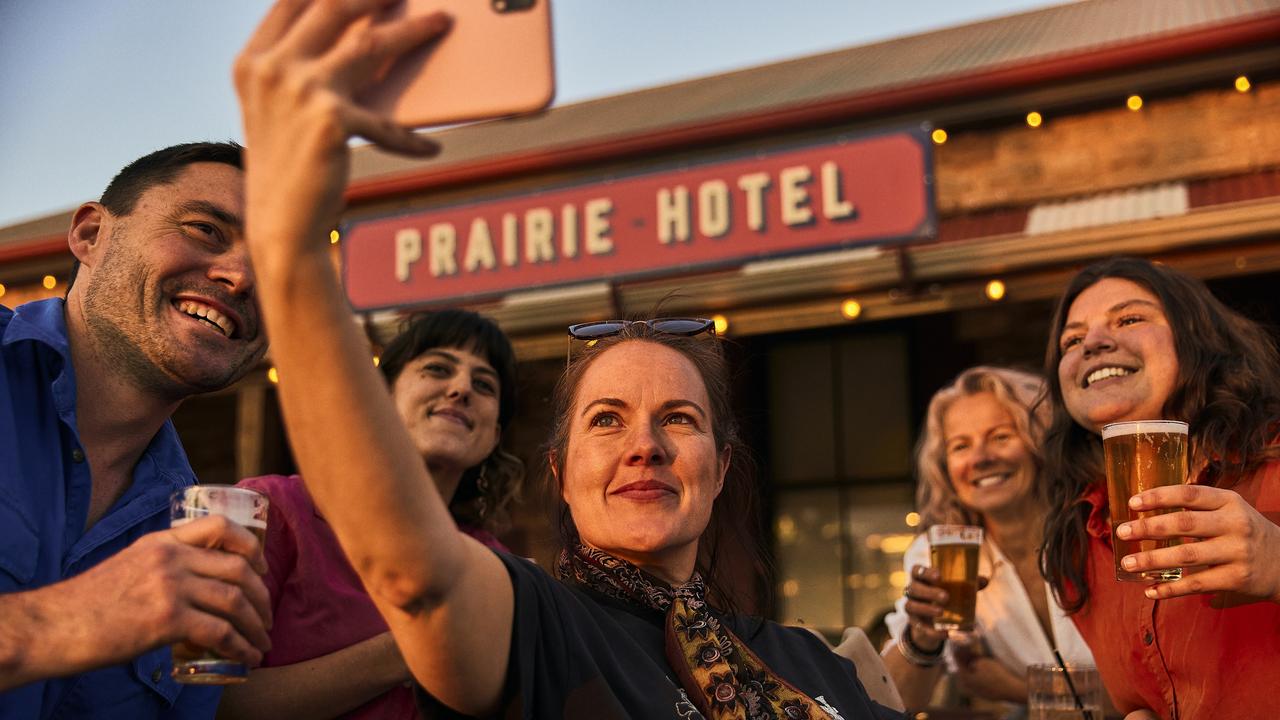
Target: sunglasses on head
685, 327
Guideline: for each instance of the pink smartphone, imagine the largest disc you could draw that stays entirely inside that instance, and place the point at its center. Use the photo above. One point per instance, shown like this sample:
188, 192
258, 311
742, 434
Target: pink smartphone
496, 61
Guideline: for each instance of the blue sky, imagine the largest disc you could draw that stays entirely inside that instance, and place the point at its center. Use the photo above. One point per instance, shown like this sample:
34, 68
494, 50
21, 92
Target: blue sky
88, 85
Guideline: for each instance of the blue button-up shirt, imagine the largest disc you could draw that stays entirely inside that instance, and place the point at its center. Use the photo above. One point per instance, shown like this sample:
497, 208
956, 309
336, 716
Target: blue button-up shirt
44, 504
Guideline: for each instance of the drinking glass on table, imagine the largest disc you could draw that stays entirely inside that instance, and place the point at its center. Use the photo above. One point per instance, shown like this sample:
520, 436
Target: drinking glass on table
1069, 692
200, 666
1141, 455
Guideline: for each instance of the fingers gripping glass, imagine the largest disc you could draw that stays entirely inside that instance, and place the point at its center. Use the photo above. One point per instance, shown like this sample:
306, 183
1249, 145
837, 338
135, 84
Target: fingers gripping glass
684, 327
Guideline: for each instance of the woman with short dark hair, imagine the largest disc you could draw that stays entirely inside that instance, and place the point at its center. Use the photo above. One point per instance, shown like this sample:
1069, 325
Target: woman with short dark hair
452, 377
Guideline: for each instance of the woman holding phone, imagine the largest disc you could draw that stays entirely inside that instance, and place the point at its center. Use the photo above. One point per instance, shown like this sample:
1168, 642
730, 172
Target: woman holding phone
1132, 340
642, 455
979, 462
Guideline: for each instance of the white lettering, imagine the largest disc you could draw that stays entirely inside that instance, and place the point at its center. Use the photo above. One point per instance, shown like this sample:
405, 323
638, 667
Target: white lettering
569, 231
408, 251
444, 248
713, 208
510, 239
754, 186
794, 196
539, 234
480, 247
597, 230
834, 207
673, 215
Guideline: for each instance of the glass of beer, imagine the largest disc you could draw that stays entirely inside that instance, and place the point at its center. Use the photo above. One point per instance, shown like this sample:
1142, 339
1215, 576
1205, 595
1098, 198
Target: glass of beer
953, 550
195, 665
1139, 456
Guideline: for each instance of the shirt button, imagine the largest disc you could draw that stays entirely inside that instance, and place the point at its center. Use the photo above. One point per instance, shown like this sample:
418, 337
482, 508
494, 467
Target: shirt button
1146, 639
77, 455
157, 674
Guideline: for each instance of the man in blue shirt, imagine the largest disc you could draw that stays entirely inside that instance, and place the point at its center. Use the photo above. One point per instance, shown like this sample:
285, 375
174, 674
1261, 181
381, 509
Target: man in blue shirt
94, 587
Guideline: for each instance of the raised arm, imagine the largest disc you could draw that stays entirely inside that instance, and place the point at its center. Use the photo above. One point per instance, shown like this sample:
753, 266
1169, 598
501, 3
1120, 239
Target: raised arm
437, 589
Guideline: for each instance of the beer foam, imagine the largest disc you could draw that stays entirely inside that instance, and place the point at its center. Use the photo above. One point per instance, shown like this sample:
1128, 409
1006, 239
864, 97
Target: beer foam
1138, 427
195, 513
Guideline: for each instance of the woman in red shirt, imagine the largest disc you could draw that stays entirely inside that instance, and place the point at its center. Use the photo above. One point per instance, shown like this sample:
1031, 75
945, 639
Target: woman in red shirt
1132, 340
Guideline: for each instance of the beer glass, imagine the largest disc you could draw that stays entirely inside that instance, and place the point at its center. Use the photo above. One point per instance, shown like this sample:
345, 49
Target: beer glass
1051, 697
953, 550
195, 665
1139, 456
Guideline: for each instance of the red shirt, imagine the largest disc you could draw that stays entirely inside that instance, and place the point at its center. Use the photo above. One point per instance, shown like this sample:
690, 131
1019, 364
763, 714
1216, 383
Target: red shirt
1182, 658
318, 603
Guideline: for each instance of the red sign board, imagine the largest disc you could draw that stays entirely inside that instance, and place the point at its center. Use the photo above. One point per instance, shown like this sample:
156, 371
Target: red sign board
821, 197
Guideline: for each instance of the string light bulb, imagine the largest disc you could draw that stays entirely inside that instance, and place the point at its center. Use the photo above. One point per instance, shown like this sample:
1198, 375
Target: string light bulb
49, 282
273, 375
334, 237
995, 290
939, 136
1134, 103
851, 309
1034, 119
1242, 84
722, 324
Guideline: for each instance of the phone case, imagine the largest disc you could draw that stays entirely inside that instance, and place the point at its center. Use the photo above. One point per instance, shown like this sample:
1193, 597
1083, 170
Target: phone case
491, 64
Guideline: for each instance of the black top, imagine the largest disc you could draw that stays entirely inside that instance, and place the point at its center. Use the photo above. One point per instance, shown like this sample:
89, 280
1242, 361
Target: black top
578, 654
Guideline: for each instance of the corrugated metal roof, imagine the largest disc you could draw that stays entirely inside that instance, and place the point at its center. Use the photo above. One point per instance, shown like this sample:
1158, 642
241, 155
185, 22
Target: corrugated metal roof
1073, 29
1130, 205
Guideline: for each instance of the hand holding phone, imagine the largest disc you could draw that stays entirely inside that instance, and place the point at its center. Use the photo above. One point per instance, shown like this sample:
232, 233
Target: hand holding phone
496, 61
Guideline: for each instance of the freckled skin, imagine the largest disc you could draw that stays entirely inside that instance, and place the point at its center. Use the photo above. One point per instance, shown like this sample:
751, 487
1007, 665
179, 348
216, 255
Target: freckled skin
642, 414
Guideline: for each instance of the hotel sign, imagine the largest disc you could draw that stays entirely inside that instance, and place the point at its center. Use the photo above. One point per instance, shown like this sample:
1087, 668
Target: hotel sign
863, 190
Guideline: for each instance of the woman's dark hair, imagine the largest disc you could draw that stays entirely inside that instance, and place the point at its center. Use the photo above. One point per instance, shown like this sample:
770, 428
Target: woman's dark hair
734, 513
1227, 390
486, 490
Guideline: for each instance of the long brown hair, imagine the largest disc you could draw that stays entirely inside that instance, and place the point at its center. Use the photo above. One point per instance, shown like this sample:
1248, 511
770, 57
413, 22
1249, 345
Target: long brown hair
734, 515
1019, 393
1228, 391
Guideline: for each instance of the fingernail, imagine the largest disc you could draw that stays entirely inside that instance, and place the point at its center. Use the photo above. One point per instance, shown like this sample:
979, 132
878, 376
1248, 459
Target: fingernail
1150, 593
1135, 502
1124, 531
943, 598
1129, 562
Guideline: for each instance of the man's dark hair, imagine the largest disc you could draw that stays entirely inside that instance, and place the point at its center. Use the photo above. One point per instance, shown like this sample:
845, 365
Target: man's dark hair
160, 168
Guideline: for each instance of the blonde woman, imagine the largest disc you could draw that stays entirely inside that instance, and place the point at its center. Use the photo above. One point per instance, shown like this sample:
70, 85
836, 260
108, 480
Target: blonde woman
979, 463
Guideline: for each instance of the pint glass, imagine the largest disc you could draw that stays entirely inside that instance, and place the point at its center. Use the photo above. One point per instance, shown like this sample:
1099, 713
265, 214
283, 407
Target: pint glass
1139, 456
953, 550
194, 665
1051, 695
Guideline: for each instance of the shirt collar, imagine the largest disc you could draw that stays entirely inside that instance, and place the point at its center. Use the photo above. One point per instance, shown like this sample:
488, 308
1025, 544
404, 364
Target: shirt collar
42, 321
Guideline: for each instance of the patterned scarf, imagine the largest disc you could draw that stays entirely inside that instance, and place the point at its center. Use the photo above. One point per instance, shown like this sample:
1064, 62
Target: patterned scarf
723, 678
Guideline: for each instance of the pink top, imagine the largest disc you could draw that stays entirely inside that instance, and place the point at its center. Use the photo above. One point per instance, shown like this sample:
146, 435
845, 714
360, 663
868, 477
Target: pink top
317, 600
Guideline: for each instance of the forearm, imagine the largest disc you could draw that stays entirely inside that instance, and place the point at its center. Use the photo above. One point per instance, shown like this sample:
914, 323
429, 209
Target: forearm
322, 687
359, 465
37, 641
915, 683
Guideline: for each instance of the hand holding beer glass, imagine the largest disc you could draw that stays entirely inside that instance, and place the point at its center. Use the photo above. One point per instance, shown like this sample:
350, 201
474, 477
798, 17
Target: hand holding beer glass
1141, 455
247, 508
953, 552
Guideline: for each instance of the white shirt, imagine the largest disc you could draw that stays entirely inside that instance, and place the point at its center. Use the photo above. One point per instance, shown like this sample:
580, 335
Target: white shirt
1005, 616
